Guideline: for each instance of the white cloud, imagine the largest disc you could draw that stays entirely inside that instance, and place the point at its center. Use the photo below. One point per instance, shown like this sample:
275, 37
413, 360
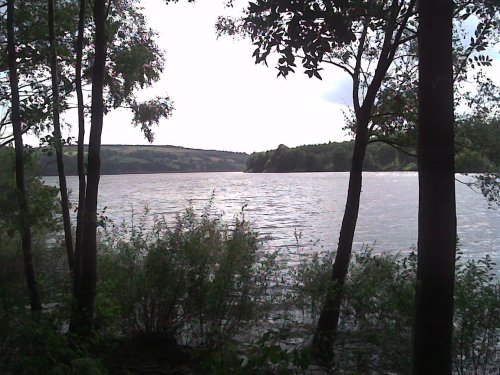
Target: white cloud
222, 99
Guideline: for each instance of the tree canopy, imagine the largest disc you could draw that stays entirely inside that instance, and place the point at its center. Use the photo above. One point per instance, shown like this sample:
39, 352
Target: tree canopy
134, 61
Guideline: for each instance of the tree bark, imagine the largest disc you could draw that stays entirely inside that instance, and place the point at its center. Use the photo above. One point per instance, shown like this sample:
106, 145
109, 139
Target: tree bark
324, 337
57, 139
81, 149
86, 294
326, 330
25, 227
432, 337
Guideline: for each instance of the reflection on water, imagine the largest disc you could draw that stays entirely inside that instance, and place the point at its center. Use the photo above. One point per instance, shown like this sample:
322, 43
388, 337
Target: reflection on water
308, 204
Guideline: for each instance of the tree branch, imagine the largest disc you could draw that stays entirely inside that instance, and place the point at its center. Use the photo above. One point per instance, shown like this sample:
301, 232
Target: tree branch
11, 138
472, 48
343, 67
357, 67
392, 144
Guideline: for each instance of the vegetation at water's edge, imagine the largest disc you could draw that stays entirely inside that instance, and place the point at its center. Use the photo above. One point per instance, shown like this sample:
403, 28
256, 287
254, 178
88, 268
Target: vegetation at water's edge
183, 298
123, 159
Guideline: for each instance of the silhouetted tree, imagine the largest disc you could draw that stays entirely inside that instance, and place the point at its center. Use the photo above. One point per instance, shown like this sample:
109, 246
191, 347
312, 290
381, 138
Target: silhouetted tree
82, 184
432, 337
345, 35
54, 72
87, 290
25, 227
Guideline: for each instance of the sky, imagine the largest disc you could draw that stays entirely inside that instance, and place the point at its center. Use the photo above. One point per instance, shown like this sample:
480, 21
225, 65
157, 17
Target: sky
223, 100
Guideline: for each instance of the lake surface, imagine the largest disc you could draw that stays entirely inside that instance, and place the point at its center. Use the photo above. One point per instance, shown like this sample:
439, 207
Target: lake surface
303, 207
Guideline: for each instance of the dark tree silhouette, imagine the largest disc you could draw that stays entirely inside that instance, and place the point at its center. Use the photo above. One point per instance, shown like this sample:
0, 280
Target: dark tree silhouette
88, 277
25, 228
345, 35
82, 184
432, 336
54, 71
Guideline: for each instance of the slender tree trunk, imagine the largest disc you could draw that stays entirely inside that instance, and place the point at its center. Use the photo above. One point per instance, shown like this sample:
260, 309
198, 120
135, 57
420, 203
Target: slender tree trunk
324, 337
86, 294
57, 139
432, 337
19, 151
81, 149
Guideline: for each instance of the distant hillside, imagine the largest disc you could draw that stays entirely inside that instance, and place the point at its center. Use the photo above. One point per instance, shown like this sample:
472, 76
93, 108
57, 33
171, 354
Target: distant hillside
328, 157
123, 159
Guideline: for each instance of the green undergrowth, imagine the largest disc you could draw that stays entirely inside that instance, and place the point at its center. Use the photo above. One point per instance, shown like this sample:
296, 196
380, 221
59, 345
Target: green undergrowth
204, 295
201, 281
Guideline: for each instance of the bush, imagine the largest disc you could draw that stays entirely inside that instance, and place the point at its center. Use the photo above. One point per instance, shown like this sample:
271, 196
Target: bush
201, 281
29, 346
378, 306
476, 340
43, 206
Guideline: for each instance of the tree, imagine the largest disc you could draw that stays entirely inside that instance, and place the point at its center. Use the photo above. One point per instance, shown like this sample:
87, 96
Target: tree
362, 39
478, 138
54, 72
87, 290
82, 184
133, 61
125, 58
33, 53
432, 337
25, 227
374, 43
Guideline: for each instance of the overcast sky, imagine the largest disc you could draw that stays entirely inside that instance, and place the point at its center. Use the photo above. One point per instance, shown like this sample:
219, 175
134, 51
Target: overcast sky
222, 99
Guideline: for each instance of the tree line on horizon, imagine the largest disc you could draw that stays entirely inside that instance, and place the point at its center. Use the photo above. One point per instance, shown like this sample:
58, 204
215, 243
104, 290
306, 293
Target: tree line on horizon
476, 152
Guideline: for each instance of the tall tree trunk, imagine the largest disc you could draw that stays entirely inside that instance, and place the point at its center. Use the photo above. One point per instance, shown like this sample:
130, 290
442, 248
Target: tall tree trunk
86, 294
432, 337
324, 337
25, 229
81, 149
57, 138
326, 330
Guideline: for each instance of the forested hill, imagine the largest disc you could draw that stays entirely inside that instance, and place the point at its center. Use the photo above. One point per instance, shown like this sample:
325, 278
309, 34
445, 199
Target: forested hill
477, 151
328, 157
123, 159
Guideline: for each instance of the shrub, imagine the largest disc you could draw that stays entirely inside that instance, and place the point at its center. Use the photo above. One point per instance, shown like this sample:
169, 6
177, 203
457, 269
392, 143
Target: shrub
29, 346
201, 280
476, 340
378, 306
43, 207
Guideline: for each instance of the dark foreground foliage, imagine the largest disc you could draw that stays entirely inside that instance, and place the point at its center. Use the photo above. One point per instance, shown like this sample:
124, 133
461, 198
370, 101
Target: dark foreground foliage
204, 296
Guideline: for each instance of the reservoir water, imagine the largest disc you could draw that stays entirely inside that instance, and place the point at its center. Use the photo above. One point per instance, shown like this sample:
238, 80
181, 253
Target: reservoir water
303, 208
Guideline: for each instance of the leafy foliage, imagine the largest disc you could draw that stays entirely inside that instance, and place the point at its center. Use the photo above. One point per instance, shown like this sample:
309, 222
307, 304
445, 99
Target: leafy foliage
477, 318
200, 281
29, 347
377, 312
43, 204
134, 61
